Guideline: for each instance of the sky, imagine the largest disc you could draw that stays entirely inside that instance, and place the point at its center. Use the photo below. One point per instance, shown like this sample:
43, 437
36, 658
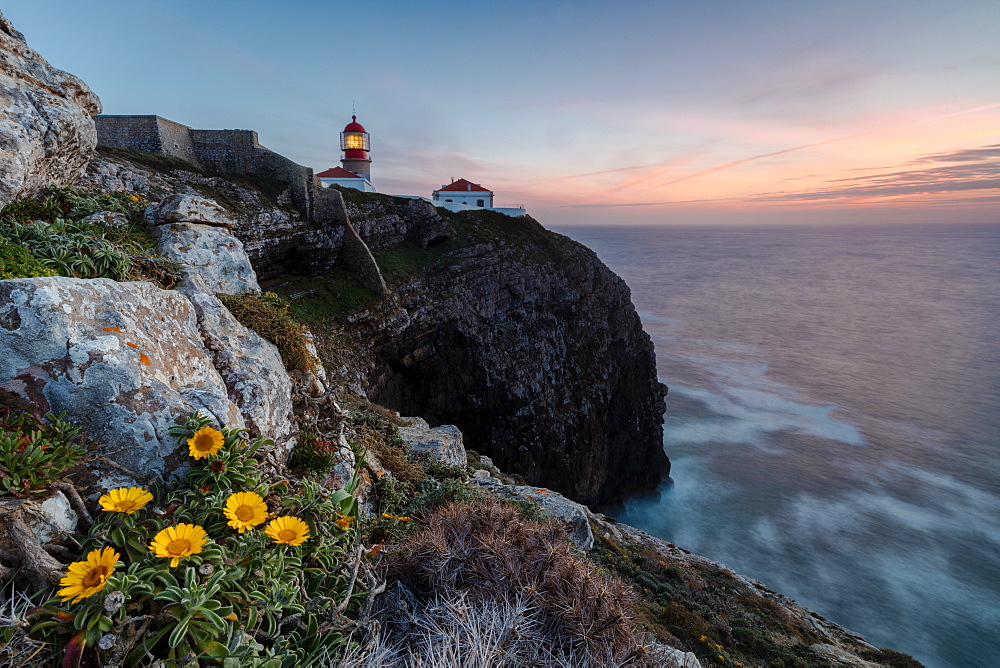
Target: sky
626, 112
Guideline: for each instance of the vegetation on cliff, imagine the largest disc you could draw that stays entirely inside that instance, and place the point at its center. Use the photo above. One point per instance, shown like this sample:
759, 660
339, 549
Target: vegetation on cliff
446, 571
71, 232
225, 564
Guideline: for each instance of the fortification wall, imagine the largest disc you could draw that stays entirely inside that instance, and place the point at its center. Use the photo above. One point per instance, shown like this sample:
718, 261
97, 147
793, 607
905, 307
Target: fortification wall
240, 152
226, 151
175, 140
299, 178
219, 151
139, 132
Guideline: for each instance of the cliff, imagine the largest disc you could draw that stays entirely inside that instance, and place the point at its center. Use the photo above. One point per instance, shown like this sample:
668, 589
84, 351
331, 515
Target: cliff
144, 322
521, 337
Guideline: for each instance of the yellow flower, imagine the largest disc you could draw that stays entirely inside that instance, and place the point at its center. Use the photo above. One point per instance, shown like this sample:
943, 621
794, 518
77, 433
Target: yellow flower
86, 578
206, 441
288, 530
180, 540
344, 521
125, 499
245, 510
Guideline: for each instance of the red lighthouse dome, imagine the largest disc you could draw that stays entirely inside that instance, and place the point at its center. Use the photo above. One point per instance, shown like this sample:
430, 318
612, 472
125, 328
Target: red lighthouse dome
354, 143
354, 140
354, 126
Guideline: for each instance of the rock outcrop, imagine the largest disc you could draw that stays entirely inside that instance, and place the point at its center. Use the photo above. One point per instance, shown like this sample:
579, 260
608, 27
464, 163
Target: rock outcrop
390, 222
197, 233
127, 361
528, 343
47, 133
442, 443
275, 236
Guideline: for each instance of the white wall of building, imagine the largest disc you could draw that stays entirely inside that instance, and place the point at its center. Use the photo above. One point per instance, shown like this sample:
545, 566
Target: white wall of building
470, 197
364, 185
462, 206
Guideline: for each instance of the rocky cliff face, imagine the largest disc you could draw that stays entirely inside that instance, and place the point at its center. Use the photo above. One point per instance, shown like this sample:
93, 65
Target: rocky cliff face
47, 130
518, 335
277, 238
526, 341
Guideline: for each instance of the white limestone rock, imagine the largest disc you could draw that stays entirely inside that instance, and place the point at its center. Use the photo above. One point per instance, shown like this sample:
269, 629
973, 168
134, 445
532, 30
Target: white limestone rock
251, 369
214, 260
835, 656
443, 443
184, 208
47, 132
574, 516
669, 657
111, 220
58, 516
126, 361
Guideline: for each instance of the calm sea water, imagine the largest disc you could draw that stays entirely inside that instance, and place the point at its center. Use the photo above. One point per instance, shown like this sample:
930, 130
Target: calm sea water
833, 418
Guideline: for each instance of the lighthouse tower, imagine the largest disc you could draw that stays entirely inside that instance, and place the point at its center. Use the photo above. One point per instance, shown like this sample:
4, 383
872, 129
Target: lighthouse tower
354, 143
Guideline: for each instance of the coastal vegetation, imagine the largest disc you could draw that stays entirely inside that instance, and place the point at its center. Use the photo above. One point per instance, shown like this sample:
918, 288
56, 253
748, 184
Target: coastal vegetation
72, 232
237, 562
224, 566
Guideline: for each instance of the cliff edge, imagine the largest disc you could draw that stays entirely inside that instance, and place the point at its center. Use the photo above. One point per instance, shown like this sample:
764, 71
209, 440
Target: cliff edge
520, 336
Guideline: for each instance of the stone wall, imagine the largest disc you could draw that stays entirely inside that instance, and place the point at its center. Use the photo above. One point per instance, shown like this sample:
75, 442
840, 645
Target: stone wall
175, 140
139, 132
219, 151
226, 151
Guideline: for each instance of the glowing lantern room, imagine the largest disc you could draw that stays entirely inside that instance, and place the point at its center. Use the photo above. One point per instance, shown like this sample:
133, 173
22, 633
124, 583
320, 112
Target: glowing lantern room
355, 144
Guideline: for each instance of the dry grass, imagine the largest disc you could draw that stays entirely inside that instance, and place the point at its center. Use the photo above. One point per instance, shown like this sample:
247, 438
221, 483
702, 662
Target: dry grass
455, 633
16, 648
492, 588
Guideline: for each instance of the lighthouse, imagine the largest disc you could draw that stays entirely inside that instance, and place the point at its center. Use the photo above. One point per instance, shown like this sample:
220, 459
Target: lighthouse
354, 143
357, 166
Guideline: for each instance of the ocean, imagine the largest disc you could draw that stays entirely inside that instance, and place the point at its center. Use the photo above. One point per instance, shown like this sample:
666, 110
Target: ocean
833, 418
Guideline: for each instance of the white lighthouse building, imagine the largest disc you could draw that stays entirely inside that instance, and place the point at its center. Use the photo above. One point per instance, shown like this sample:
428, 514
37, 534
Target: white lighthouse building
357, 163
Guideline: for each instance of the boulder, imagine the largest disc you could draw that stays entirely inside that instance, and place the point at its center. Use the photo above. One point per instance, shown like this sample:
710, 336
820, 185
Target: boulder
183, 208
47, 132
669, 657
443, 443
111, 220
214, 260
126, 361
574, 516
251, 369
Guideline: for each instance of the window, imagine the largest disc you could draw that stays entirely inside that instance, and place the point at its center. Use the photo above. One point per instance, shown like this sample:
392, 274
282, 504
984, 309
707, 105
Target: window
480, 202
448, 200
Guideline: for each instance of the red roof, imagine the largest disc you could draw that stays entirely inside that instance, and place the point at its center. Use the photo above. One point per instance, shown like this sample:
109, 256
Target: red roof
467, 186
354, 126
338, 173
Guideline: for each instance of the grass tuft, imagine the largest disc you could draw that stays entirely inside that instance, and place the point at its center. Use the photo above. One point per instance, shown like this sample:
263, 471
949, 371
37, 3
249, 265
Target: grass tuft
269, 315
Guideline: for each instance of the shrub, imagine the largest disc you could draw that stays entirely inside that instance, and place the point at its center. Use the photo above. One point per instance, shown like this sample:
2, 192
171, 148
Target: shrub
373, 432
313, 453
34, 452
52, 231
18, 262
72, 204
269, 315
486, 553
